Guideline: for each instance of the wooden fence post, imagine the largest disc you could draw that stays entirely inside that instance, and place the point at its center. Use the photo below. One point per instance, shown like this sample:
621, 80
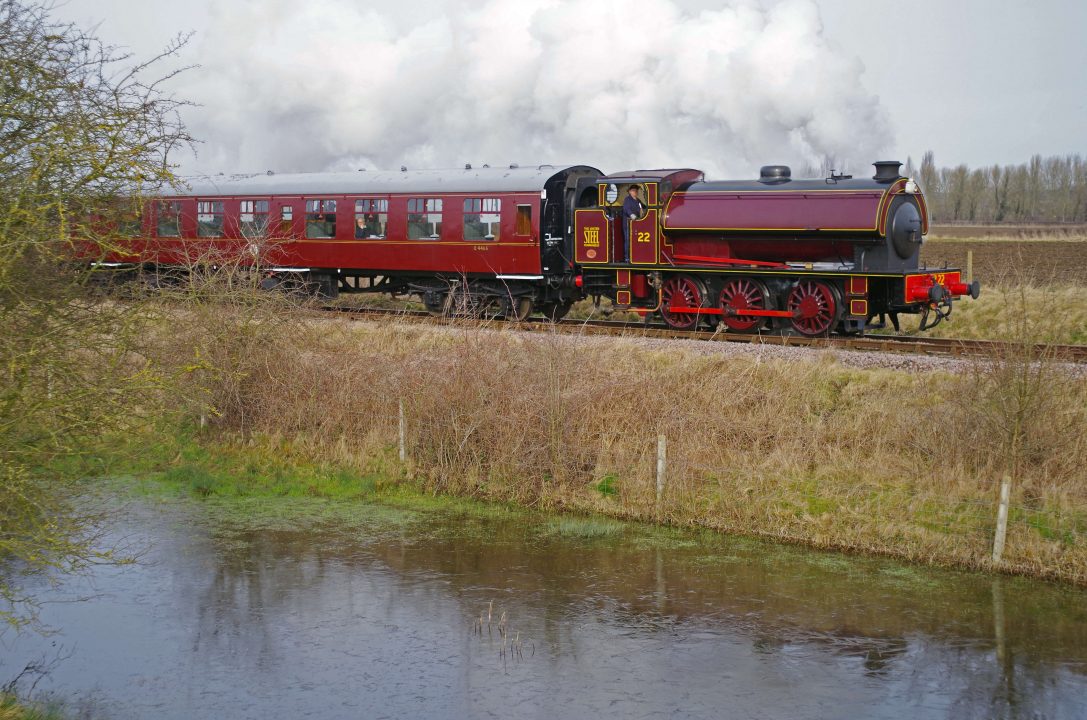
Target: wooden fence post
1002, 520
403, 433
661, 466
969, 266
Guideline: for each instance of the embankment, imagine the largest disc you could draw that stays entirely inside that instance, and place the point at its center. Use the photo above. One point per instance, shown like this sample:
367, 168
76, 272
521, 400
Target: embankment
906, 464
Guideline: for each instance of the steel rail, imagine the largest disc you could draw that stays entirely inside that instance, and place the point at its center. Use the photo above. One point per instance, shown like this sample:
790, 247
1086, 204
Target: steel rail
908, 344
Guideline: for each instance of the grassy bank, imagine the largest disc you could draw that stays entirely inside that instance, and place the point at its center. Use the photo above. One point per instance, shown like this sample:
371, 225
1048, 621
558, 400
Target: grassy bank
872, 461
12, 709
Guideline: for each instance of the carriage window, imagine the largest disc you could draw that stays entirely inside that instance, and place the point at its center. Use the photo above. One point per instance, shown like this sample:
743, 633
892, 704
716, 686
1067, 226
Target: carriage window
320, 219
288, 213
130, 222
482, 217
371, 218
424, 219
209, 218
253, 218
524, 220
169, 220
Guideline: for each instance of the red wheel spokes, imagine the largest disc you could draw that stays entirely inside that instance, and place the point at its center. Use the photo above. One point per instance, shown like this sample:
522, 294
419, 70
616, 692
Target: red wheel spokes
680, 292
741, 294
813, 306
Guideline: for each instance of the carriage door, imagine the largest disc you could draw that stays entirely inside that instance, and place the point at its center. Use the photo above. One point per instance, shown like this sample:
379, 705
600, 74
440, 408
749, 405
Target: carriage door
644, 231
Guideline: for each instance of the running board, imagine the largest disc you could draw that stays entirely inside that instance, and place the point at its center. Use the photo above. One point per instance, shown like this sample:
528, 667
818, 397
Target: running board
728, 261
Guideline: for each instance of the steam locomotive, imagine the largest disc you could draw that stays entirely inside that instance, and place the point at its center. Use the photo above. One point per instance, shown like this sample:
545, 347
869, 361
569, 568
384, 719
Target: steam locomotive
813, 256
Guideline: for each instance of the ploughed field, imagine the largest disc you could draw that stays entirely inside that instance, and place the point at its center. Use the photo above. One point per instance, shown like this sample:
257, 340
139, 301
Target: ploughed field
1013, 255
1036, 272
1010, 231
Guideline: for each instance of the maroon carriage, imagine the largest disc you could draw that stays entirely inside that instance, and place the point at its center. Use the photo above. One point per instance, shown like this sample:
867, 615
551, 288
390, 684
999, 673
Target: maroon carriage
485, 237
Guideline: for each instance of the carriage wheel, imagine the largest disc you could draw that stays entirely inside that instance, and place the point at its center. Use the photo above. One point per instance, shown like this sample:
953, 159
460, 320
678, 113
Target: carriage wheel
518, 309
555, 311
435, 303
814, 306
743, 294
458, 302
681, 291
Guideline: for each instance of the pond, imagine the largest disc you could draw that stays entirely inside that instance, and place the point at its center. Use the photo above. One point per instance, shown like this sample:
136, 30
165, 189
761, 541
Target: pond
289, 609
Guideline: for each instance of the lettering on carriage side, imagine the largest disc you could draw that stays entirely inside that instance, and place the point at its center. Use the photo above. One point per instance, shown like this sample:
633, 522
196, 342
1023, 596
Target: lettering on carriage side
481, 248
643, 237
592, 237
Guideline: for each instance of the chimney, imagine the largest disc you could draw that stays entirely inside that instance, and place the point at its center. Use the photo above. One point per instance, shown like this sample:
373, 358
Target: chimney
887, 170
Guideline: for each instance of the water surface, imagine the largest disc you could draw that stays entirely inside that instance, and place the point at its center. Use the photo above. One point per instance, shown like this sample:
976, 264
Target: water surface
290, 609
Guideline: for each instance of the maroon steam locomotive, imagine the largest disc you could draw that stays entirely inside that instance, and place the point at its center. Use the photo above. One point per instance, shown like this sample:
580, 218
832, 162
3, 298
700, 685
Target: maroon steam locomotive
811, 256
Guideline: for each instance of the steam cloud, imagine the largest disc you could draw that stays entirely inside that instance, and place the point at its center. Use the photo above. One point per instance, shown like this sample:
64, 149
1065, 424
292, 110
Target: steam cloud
334, 84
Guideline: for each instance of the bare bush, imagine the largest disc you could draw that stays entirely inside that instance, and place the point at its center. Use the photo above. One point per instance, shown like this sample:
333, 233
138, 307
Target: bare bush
80, 125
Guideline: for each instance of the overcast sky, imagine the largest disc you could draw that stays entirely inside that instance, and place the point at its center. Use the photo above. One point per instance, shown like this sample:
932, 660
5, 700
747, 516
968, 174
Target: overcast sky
976, 81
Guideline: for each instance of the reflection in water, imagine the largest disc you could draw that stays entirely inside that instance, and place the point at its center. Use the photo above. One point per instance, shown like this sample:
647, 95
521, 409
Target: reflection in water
376, 618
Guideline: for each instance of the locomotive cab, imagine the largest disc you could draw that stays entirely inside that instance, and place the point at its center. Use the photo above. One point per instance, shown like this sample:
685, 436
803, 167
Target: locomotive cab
600, 229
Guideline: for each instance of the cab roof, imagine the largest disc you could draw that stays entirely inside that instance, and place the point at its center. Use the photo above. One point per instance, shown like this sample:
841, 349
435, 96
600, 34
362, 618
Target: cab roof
650, 175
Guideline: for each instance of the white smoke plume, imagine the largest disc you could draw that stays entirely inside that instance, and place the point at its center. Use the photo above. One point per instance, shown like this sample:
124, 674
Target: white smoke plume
339, 84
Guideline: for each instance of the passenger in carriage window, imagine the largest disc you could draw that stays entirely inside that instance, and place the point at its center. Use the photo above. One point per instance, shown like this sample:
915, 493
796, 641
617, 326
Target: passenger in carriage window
373, 226
361, 230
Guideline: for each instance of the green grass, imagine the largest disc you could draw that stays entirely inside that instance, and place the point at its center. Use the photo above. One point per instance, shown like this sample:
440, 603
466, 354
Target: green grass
12, 709
585, 528
258, 468
1051, 525
247, 482
606, 486
205, 477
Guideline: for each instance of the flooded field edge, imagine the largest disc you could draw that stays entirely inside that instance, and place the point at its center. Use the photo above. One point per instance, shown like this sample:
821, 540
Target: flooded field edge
300, 492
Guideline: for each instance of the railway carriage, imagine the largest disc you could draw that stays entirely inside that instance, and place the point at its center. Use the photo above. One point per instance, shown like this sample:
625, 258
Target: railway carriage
483, 239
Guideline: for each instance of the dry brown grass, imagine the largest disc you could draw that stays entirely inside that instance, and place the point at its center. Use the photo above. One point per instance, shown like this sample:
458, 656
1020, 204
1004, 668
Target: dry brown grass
1034, 289
998, 312
810, 452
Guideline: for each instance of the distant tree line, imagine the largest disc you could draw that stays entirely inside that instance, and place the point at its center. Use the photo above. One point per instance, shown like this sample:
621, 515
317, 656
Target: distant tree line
1043, 190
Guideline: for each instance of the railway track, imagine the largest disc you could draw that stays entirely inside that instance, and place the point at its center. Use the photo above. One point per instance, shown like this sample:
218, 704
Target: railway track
943, 347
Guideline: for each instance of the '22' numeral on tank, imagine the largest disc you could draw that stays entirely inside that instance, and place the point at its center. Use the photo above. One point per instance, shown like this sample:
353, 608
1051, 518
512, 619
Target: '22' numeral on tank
643, 237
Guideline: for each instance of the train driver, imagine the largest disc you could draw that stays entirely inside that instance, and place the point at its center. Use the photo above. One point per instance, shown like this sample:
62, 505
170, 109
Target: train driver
632, 210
